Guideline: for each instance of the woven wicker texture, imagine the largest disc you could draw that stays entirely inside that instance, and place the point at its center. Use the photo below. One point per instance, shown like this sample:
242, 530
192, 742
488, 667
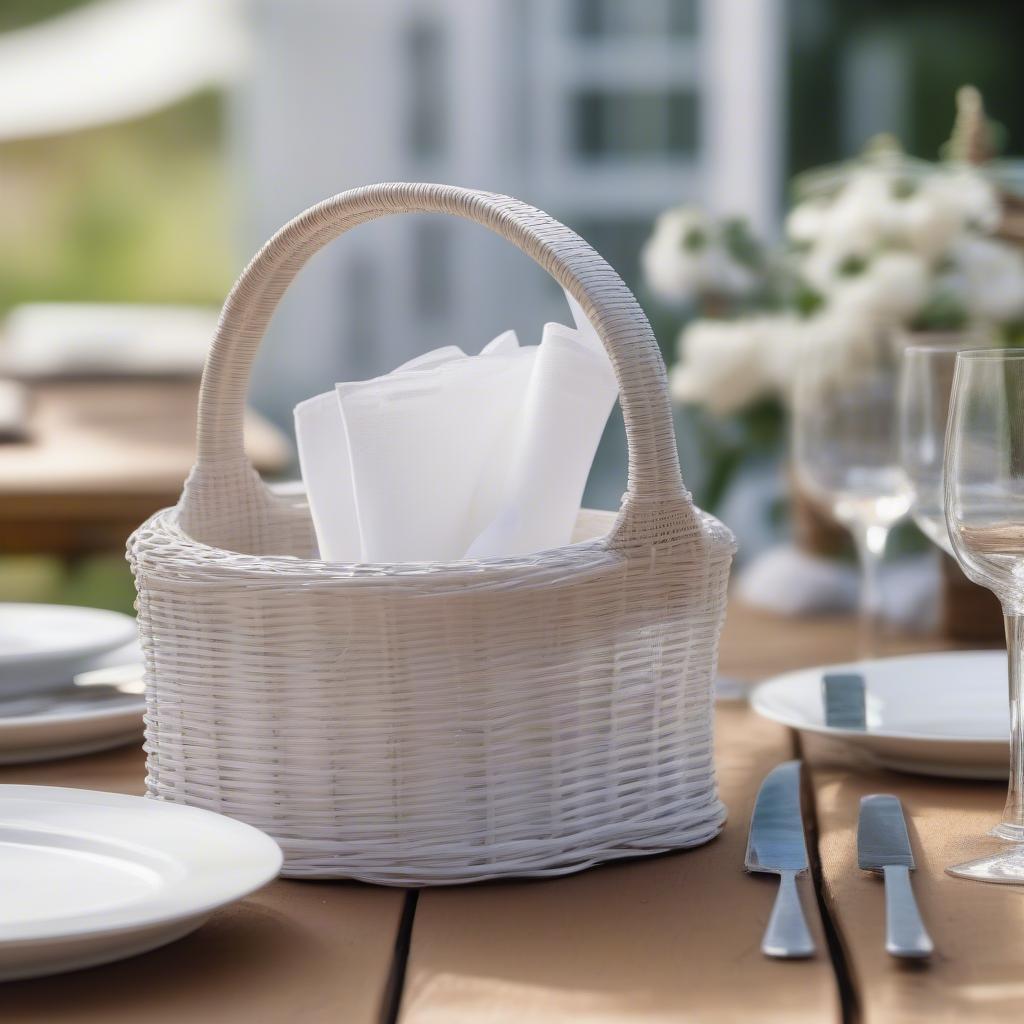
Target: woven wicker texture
427, 723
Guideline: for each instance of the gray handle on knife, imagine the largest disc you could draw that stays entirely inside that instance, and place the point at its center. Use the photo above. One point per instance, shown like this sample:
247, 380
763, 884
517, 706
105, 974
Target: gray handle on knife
905, 933
787, 935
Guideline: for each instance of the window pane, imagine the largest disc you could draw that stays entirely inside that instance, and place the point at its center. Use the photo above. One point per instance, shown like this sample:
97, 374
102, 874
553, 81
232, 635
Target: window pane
682, 122
617, 239
634, 123
432, 264
588, 18
601, 18
425, 105
682, 17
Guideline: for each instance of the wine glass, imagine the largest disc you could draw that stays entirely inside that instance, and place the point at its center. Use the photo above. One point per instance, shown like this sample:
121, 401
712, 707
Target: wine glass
926, 380
984, 504
846, 450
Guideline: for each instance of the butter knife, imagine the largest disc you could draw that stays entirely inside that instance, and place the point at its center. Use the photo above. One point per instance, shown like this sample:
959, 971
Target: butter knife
883, 846
776, 844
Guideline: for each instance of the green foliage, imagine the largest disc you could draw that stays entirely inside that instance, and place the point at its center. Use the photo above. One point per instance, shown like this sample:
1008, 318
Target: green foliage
133, 212
807, 300
903, 188
741, 244
852, 266
20, 13
942, 312
102, 581
695, 240
727, 443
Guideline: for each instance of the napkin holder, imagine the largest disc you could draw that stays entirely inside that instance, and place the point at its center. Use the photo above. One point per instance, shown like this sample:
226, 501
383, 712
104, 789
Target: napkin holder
427, 723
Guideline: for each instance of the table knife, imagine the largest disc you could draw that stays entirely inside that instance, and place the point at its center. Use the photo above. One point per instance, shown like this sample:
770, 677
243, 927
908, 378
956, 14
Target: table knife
883, 847
776, 844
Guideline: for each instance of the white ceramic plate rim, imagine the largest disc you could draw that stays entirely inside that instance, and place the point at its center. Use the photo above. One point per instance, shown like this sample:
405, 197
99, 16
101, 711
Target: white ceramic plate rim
256, 860
15, 723
760, 700
70, 652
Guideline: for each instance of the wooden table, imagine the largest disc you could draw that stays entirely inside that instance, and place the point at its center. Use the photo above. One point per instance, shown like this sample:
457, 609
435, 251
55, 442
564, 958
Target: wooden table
102, 456
664, 939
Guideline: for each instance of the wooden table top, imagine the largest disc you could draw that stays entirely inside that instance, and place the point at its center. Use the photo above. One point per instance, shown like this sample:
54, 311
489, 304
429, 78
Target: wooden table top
668, 938
102, 456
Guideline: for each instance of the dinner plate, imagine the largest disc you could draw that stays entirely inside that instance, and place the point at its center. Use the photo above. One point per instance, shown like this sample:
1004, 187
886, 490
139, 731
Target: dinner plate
934, 714
102, 710
92, 877
46, 644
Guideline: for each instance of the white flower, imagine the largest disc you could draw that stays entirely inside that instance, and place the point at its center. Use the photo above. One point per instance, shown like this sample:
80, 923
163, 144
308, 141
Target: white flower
928, 222
806, 222
988, 276
875, 210
727, 365
685, 256
892, 287
863, 214
875, 251
971, 193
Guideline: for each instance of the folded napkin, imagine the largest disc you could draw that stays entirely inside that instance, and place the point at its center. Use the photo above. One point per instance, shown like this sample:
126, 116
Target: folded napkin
452, 456
571, 392
322, 442
418, 447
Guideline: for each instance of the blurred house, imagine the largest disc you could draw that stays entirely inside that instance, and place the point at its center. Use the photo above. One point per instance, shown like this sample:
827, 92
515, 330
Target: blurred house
600, 111
603, 112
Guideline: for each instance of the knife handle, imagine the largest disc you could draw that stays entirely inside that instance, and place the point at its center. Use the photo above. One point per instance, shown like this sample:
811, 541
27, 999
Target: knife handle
905, 933
787, 935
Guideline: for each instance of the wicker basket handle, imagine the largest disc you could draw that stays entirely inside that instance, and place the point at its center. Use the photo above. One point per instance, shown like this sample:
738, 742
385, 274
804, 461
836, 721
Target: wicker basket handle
655, 489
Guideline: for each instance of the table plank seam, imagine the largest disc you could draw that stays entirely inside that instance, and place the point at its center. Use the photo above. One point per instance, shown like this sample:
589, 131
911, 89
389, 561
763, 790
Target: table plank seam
849, 1001
391, 1003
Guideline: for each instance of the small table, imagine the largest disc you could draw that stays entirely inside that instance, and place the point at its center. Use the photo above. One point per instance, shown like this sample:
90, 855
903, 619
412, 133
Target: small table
103, 455
668, 938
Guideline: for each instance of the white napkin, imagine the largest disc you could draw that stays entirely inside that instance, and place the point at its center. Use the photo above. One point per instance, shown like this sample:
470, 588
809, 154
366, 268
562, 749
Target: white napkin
453, 456
420, 446
322, 442
571, 392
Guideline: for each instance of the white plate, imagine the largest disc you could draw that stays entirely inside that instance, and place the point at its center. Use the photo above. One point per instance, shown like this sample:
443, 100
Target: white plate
46, 644
935, 714
93, 877
102, 711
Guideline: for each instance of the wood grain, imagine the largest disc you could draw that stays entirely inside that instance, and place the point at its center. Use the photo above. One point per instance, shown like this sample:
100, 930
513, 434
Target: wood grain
101, 456
672, 938
978, 930
676, 937
295, 951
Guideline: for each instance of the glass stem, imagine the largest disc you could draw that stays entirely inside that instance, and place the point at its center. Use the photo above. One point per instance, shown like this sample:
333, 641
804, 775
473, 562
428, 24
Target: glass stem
1012, 825
870, 541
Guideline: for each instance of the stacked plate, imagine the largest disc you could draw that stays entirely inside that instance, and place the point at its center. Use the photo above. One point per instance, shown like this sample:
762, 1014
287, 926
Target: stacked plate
95, 877
70, 682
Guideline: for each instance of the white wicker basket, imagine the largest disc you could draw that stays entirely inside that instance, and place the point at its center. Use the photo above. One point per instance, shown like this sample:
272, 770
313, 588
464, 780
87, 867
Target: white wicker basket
422, 723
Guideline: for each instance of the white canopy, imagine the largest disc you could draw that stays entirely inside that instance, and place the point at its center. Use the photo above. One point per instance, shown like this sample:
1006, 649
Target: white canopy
112, 60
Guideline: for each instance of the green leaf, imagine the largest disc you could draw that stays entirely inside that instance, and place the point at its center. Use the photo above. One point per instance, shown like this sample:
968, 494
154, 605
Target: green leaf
852, 266
807, 300
903, 188
741, 244
695, 239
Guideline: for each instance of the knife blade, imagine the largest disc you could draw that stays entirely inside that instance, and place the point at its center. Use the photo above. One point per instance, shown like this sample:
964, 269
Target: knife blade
776, 844
883, 847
